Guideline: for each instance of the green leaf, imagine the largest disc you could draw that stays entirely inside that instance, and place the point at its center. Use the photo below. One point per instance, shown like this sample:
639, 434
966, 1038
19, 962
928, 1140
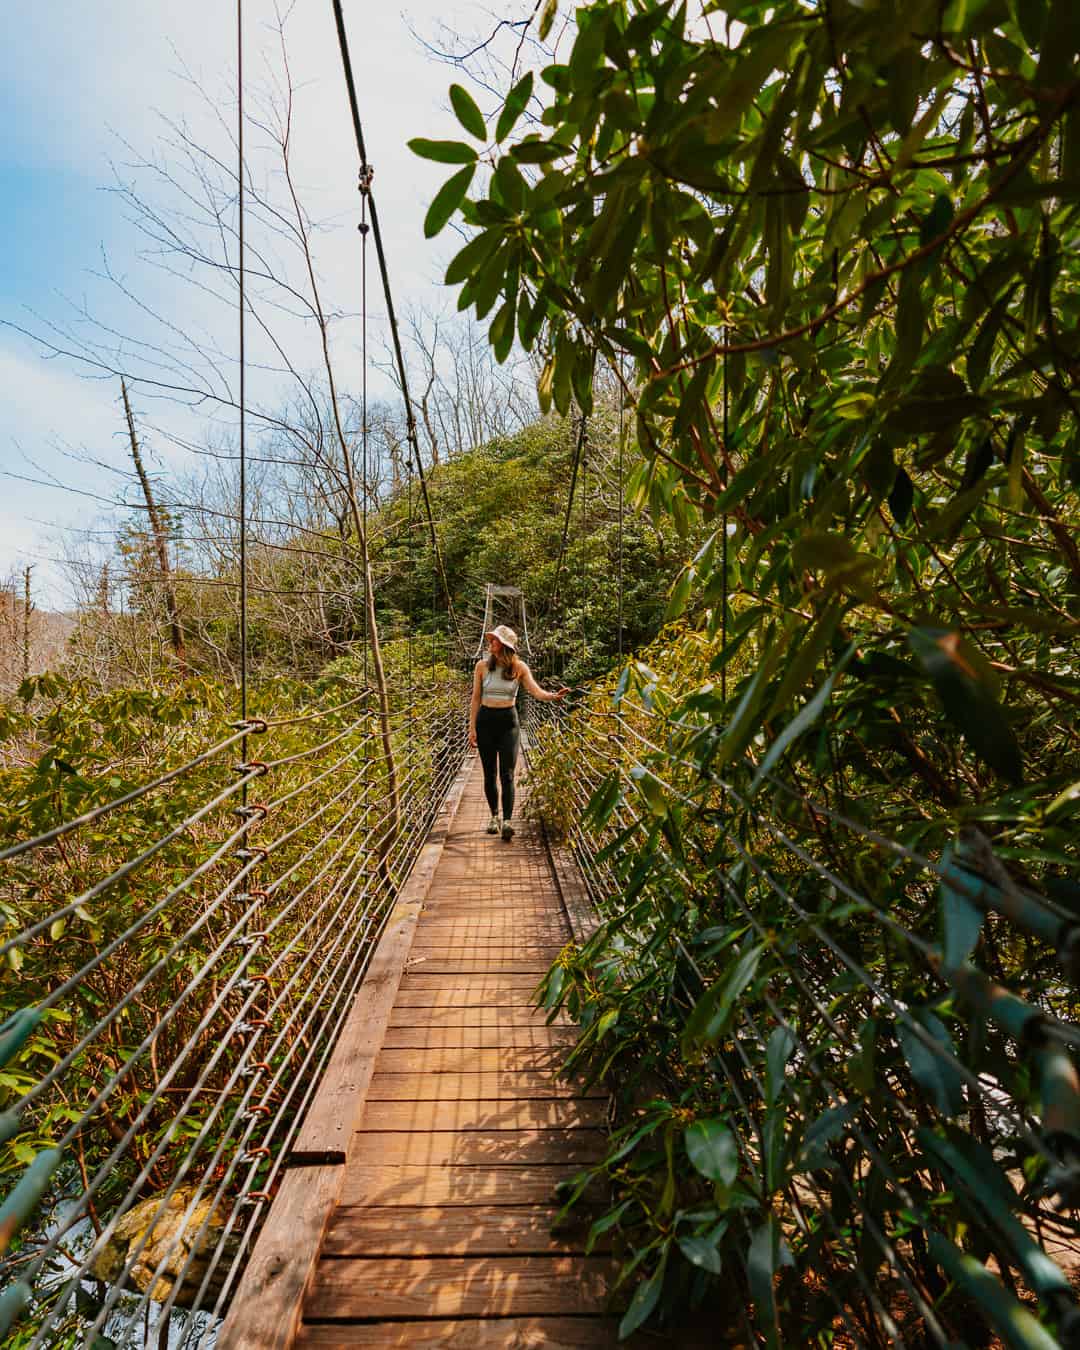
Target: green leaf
935, 1073
468, 114
802, 721
711, 1147
447, 200
547, 18
767, 1253
965, 686
713, 1010
701, 1253
516, 101
501, 333
537, 151
646, 1297
443, 152
779, 1050
475, 253
1018, 1328
962, 919
902, 496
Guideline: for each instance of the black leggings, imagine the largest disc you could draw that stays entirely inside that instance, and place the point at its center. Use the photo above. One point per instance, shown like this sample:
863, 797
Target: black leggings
497, 734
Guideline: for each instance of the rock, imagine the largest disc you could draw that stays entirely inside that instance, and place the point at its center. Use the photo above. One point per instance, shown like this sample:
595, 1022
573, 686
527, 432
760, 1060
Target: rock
171, 1241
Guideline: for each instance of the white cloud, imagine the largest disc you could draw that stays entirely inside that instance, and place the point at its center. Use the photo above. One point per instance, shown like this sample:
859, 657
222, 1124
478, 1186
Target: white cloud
123, 70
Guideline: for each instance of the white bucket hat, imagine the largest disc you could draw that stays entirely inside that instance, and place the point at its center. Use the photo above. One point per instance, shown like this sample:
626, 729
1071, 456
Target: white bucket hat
506, 636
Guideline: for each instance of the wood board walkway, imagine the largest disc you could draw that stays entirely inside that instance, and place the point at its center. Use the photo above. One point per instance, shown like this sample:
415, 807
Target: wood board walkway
418, 1207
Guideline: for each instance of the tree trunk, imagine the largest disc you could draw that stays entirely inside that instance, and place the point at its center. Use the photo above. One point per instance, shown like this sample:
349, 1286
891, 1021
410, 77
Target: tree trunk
28, 606
157, 531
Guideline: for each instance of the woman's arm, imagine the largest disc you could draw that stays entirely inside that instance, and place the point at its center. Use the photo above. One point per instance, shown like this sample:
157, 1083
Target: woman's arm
474, 702
525, 675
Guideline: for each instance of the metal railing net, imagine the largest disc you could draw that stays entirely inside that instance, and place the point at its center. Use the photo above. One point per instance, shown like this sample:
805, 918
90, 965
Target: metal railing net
176, 980
905, 1129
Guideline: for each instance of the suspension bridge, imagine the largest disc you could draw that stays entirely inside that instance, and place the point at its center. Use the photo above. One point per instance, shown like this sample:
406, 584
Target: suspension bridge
292, 1061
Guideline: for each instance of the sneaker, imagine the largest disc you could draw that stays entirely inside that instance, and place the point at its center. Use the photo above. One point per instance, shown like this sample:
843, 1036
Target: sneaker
507, 831
493, 825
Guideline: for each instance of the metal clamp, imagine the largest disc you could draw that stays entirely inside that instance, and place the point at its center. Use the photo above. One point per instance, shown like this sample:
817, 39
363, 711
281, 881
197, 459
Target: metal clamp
256, 1198
247, 767
255, 809
249, 939
246, 854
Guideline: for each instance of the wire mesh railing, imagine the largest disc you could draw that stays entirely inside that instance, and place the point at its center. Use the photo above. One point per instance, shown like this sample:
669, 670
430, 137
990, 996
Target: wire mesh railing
862, 1055
178, 966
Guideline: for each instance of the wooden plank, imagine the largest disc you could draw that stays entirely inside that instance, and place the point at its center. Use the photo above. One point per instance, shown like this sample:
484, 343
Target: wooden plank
488, 947
535, 967
474, 1148
449, 992
510, 1333
478, 1038
481, 990
451, 1087
495, 1185
545, 920
447, 906
550, 1113
324, 1135
548, 1059
574, 894
265, 1310
510, 1016
455, 1286
485, 1230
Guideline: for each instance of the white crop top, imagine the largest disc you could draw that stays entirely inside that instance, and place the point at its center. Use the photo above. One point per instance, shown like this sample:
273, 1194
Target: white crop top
496, 685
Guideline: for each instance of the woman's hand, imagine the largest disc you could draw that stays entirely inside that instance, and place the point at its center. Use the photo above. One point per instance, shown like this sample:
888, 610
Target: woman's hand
472, 737
560, 693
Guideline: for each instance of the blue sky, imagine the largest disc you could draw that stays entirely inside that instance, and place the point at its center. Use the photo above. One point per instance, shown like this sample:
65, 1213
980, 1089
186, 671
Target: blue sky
89, 86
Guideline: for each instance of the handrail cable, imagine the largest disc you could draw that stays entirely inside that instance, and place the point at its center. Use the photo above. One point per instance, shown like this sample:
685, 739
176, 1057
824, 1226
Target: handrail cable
578, 451
399, 357
91, 817
332, 929
1013, 1113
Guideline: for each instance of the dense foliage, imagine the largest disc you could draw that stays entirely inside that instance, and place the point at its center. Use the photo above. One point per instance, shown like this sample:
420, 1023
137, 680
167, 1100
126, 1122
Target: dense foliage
502, 517
173, 969
837, 245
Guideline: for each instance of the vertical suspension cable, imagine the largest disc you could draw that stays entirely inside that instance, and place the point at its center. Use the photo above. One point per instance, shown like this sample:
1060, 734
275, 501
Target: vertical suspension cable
622, 438
365, 188
584, 544
243, 380
724, 541
410, 562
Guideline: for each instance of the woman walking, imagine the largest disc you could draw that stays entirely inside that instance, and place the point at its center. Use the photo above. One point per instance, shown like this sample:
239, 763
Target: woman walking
493, 720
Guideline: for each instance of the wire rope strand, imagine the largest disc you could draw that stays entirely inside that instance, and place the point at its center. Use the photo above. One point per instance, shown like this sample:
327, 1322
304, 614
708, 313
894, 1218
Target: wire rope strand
242, 306
89, 817
724, 541
584, 543
391, 314
365, 190
622, 491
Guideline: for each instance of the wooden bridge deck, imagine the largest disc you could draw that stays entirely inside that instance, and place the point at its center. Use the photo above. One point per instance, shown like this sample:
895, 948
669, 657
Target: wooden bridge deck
418, 1207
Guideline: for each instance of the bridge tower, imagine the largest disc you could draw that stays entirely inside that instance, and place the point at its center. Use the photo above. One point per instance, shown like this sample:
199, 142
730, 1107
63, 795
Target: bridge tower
504, 604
